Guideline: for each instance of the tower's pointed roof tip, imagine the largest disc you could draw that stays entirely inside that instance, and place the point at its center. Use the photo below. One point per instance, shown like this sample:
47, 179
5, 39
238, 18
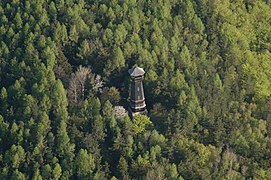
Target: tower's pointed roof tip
136, 71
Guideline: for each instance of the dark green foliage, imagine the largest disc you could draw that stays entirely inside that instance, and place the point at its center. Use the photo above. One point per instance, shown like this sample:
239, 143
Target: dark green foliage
63, 68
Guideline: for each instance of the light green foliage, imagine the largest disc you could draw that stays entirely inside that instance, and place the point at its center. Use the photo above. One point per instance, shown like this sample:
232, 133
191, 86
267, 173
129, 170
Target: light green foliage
259, 72
118, 60
84, 164
140, 123
15, 156
42, 127
113, 178
17, 175
57, 171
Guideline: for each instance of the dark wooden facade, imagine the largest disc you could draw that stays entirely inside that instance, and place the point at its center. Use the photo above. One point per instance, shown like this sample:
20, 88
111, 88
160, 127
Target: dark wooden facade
137, 98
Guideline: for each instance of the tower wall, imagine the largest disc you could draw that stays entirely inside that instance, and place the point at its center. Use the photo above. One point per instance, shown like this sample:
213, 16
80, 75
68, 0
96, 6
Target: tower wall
137, 98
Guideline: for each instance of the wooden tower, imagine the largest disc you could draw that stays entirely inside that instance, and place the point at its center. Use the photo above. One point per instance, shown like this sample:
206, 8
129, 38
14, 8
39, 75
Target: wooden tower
137, 98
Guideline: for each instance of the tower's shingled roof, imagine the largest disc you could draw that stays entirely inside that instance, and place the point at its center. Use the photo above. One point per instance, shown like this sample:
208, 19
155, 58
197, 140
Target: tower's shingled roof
136, 71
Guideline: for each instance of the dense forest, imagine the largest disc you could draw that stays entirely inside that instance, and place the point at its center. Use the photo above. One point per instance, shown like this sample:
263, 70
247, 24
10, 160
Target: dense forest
63, 69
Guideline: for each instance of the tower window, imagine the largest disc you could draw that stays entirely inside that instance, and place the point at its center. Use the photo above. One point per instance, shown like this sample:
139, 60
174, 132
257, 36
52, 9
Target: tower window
138, 97
138, 89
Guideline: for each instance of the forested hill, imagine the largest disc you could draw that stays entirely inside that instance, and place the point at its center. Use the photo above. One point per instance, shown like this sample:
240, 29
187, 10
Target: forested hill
63, 69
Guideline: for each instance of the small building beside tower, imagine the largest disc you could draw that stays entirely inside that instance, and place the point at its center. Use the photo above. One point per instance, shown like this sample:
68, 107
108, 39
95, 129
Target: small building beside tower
137, 103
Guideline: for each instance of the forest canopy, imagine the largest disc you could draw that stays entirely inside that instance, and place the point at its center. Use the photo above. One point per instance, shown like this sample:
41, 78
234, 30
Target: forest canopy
63, 70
